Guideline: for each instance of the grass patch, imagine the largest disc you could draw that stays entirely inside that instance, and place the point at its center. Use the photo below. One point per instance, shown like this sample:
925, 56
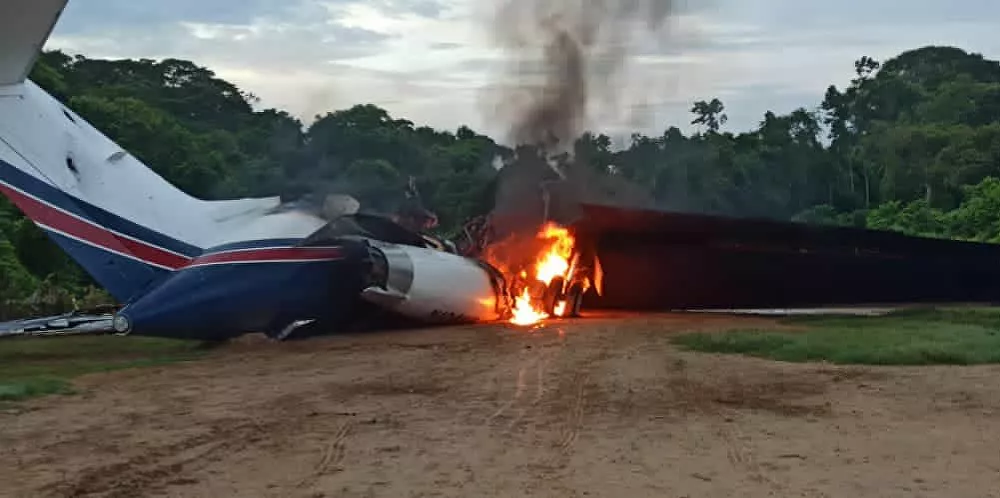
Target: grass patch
956, 336
37, 366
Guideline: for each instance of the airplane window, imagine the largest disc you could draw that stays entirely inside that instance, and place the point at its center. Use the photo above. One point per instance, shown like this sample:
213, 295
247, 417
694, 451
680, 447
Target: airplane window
68, 116
71, 165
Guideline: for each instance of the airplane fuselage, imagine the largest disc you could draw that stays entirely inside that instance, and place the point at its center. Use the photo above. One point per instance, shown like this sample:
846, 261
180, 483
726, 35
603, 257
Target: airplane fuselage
187, 267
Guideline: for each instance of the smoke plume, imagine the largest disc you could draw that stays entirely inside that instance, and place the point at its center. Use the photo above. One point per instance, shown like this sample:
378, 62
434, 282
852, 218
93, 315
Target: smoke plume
568, 61
567, 58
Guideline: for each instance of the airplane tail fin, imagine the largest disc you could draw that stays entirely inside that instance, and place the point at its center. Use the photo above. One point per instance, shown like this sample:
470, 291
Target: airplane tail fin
40, 158
123, 223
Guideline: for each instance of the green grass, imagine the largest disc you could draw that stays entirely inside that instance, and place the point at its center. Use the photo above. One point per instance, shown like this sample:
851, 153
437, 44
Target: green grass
955, 336
37, 366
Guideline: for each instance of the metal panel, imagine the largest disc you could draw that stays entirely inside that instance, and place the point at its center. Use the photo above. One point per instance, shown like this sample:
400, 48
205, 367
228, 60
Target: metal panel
663, 261
25, 26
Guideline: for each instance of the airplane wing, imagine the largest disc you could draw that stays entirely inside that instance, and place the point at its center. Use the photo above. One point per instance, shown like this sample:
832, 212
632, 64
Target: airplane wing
25, 25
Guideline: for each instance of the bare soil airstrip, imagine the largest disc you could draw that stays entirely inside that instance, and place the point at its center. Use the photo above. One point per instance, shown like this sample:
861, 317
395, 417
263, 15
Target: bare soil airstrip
601, 407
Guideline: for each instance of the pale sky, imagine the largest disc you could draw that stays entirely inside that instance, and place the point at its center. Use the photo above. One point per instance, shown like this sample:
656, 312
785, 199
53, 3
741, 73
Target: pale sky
429, 61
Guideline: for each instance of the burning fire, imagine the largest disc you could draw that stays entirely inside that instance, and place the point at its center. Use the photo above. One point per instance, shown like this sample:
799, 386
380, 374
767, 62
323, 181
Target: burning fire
554, 261
524, 313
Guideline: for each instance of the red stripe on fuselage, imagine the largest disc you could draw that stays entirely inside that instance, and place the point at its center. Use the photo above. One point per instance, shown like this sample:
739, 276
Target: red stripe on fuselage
54, 218
273, 254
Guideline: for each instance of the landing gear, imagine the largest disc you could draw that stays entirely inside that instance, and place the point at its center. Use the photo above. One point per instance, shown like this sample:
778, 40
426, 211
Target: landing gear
574, 300
553, 296
558, 297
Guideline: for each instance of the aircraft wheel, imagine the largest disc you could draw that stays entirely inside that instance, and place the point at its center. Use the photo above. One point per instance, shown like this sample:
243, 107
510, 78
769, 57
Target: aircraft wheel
574, 300
553, 294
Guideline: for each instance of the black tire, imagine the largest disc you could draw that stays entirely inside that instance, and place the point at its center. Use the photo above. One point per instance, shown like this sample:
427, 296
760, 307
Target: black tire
553, 294
574, 301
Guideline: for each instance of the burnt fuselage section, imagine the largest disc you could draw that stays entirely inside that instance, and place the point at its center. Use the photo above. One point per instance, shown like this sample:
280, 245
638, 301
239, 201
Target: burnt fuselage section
665, 261
353, 266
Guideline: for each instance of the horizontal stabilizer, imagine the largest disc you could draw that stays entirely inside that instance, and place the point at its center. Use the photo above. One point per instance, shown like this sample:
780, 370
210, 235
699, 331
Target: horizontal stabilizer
25, 26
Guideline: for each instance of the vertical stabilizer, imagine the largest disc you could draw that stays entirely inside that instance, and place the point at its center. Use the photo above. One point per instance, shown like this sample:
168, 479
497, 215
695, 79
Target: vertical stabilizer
122, 222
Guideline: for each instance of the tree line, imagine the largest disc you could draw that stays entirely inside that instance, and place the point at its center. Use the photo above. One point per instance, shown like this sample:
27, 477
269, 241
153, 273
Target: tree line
911, 144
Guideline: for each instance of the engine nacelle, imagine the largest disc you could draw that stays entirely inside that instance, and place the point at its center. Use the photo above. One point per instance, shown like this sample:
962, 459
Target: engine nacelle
433, 286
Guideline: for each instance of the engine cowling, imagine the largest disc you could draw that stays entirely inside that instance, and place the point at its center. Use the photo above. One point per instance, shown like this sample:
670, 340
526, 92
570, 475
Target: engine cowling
433, 286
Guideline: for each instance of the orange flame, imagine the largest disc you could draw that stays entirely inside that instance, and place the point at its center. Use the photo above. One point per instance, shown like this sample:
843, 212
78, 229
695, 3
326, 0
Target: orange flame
560, 309
551, 263
524, 313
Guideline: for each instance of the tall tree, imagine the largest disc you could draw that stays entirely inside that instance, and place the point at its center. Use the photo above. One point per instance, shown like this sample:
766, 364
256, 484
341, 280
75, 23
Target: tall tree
709, 114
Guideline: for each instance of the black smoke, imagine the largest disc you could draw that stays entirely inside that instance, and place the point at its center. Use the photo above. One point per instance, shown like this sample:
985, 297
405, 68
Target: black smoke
566, 61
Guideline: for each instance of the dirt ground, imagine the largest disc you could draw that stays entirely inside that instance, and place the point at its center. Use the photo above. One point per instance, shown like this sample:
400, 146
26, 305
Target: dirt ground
600, 407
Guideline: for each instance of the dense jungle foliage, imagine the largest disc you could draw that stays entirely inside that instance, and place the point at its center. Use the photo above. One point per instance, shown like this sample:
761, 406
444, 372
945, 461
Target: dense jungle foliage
912, 145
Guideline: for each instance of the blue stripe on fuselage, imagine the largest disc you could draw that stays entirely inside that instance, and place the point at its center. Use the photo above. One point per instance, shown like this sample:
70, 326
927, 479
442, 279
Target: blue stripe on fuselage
52, 195
298, 287
255, 244
123, 277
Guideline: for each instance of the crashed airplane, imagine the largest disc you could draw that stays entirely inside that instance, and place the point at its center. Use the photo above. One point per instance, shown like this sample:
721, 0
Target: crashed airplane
186, 267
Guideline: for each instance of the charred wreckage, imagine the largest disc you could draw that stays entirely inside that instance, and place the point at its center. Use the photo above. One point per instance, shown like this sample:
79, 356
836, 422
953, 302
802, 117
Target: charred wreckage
213, 269
369, 265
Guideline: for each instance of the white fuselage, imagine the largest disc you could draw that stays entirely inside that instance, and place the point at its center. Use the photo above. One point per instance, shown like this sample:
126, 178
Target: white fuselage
436, 286
127, 225
41, 136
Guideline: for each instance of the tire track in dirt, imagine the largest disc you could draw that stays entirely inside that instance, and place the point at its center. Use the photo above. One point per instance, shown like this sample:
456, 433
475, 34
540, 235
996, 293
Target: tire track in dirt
518, 391
155, 468
334, 453
330, 458
160, 466
569, 401
730, 401
531, 376
573, 422
540, 367
607, 411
